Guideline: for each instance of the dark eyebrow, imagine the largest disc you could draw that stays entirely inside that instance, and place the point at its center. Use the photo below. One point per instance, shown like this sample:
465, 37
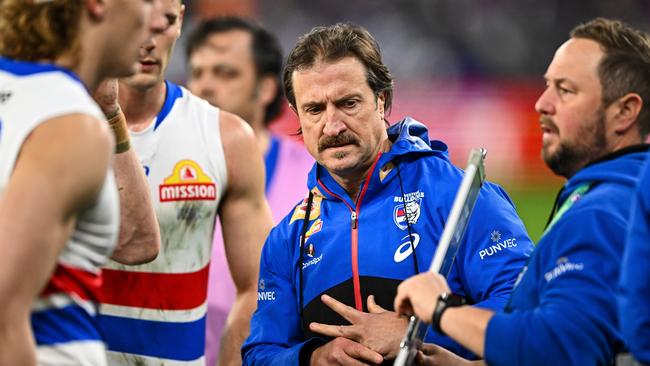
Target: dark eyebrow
309, 105
347, 97
337, 102
557, 80
223, 67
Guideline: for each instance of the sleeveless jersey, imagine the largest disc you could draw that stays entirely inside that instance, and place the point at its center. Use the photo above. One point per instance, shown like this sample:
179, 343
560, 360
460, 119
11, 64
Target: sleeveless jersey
63, 317
154, 314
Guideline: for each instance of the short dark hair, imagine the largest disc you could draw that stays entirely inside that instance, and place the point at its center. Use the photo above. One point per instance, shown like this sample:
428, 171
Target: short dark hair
267, 52
625, 67
333, 43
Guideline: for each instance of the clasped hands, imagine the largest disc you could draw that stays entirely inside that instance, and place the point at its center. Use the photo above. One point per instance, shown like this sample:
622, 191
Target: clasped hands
375, 336
369, 339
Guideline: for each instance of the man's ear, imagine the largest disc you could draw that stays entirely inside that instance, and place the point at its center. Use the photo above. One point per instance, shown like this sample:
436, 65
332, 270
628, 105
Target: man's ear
96, 8
625, 112
181, 16
381, 104
267, 89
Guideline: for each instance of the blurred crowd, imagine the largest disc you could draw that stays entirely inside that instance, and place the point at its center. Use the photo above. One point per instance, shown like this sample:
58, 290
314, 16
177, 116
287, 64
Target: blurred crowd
422, 39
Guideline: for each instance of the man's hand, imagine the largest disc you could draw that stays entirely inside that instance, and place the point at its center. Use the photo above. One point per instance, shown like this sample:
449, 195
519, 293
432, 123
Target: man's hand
106, 96
432, 355
419, 295
380, 330
342, 351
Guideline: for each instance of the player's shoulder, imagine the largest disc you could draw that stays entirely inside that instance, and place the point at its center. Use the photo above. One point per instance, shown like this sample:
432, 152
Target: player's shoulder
51, 83
234, 129
74, 142
36, 98
82, 129
52, 89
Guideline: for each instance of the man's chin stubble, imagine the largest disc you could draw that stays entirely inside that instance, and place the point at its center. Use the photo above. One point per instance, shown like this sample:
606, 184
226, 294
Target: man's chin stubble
340, 155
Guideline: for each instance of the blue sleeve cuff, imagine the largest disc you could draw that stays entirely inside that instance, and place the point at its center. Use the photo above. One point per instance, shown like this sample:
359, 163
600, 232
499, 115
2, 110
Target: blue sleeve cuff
499, 329
264, 354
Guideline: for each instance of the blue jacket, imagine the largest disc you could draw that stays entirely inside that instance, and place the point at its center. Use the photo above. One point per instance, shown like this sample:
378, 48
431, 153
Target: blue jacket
634, 306
563, 311
350, 258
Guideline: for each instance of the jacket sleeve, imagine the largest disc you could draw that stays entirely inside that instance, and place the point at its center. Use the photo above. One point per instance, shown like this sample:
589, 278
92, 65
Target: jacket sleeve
491, 255
634, 300
276, 337
574, 322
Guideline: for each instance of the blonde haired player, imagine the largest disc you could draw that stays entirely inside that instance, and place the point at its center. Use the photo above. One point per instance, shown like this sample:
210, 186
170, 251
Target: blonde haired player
59, 200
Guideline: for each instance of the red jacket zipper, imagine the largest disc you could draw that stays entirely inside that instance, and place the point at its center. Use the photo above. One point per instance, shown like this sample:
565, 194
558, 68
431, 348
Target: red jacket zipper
354, 218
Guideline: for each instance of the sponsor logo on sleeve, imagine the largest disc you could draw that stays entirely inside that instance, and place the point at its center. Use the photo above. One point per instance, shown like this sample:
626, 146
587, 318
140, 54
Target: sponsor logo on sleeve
187, 182
498, 245
563, 265
263, 294
408, 207
495, 236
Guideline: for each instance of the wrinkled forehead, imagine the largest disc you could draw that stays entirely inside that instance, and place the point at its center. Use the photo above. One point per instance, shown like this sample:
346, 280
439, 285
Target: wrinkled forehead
344, 67
326, 80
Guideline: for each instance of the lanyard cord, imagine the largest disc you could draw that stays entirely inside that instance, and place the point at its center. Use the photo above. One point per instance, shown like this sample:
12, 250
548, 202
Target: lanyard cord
556, 214
554, 209
305, 224
575, 195
408, 220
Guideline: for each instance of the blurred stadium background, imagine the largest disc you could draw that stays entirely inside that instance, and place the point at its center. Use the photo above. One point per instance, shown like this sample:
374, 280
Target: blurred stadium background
469, 69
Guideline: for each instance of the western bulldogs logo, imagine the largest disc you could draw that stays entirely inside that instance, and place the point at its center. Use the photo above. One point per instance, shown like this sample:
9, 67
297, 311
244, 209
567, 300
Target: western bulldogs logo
402, 211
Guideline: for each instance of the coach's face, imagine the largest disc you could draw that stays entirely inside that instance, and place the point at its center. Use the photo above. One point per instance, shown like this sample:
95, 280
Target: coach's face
342, 121
572, 116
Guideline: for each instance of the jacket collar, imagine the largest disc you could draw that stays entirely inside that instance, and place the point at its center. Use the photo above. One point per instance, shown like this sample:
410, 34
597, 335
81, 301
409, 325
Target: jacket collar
409, 138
